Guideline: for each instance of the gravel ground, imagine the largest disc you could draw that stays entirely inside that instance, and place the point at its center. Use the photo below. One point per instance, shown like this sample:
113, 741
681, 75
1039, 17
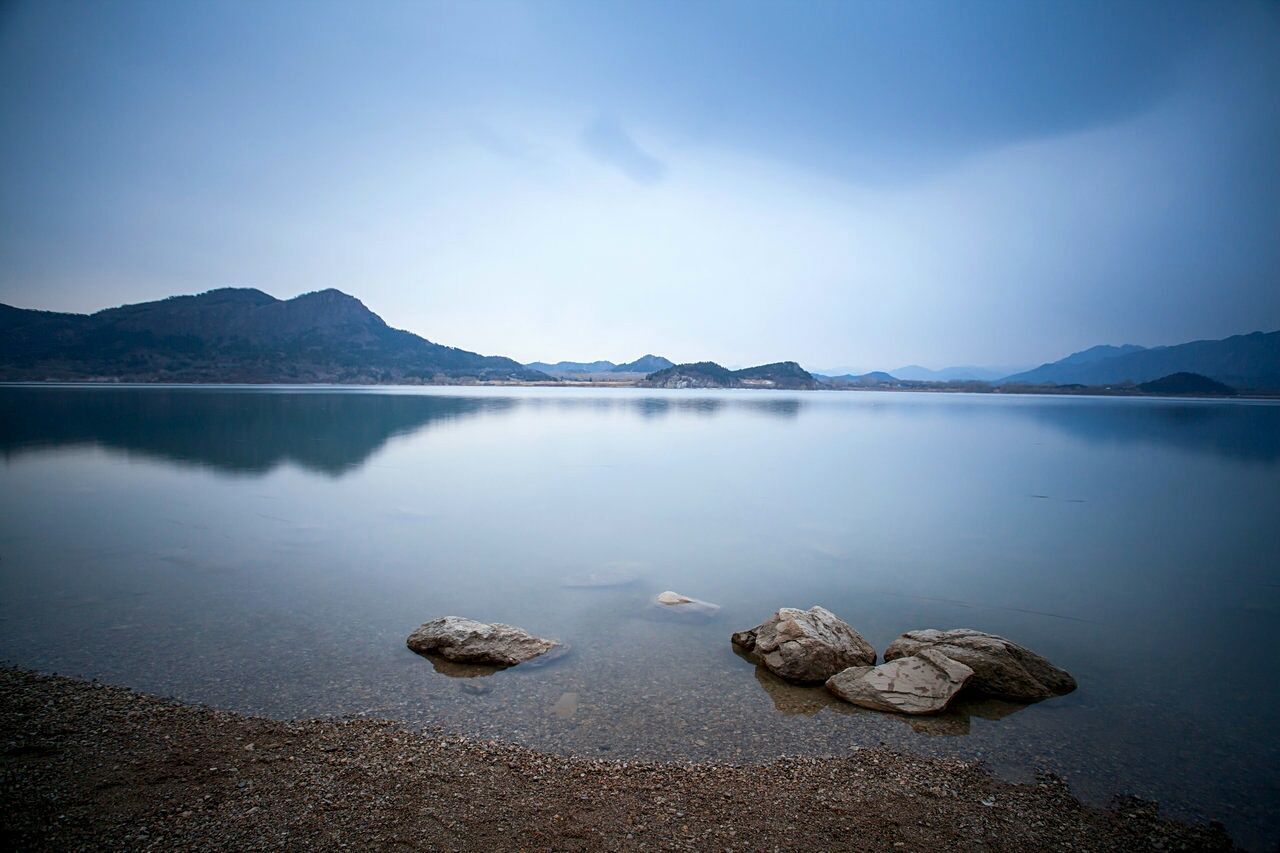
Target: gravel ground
87, 766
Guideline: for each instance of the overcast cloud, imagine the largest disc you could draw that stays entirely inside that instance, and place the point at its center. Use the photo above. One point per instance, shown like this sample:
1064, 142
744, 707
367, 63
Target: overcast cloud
857, 184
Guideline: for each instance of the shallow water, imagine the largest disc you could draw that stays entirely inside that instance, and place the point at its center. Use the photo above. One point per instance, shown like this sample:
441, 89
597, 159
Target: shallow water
268, 550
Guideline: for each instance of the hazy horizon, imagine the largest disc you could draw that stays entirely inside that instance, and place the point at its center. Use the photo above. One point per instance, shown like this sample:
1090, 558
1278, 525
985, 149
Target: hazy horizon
864, 184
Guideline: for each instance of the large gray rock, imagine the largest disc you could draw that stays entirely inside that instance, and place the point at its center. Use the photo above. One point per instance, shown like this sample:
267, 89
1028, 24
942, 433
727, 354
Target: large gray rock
920, 684
467, 641
1000, 667
805, 645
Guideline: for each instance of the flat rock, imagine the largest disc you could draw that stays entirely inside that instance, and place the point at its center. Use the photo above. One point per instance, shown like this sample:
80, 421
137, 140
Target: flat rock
922, 683
670, 604
805, 645
467, 641
1000, 667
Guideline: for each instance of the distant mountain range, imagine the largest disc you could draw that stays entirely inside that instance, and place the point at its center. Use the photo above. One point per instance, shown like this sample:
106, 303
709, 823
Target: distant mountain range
245, 335
235, 335
707, 374
874, 379
644, 365
916, 373
1244, 362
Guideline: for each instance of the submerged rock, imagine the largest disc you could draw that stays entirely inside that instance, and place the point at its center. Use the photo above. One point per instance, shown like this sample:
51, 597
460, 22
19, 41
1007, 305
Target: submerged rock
565, 707
922, 683
673, 604
467, 641
806, 645
608, 576
1000, 667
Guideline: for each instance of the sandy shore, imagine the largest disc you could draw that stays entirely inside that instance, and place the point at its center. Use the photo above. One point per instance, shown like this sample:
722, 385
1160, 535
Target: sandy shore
91, 766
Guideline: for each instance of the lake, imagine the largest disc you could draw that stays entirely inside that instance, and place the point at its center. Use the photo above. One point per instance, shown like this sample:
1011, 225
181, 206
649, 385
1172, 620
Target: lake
269, 549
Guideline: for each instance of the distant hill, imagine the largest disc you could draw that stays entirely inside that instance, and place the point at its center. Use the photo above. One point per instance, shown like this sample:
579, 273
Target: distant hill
234, 335
1100, 353
644, 365
916, 373
1245, 362
868, 380
565, 368
785, 375
1187, 383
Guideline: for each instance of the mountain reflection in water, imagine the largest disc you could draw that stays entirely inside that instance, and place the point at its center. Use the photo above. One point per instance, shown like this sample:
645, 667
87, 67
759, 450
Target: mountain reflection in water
334, 431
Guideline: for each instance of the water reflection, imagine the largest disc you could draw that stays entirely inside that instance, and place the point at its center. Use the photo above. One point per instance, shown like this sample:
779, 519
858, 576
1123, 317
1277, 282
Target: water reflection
335, 431
794, 699
253, 431
660, 407
235, 431
956, 720
453, 669
1241, 430
277, 591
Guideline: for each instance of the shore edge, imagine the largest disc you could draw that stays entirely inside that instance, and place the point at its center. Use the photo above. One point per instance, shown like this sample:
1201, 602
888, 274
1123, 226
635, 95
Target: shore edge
86, 765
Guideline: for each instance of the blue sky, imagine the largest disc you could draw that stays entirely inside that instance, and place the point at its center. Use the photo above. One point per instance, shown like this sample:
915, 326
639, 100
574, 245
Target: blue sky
862, 184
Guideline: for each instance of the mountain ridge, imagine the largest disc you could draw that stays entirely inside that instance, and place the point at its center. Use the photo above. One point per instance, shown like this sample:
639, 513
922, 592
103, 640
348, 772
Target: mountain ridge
1244, 362
916, 373
235, 335
783, 375
645, 364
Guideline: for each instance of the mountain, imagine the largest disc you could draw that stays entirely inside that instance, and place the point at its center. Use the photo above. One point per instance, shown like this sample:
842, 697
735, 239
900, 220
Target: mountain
780, 374
1187, 383
1246, 362
645, 364
862, 380
563, 369
916, 373
1100, 353
235, 335
703, 374
707, 374
568, 368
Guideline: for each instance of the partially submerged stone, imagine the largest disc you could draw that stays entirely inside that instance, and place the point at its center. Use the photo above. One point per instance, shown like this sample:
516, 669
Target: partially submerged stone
1000, 667
805, 645
468, 641
674, 605
923, 683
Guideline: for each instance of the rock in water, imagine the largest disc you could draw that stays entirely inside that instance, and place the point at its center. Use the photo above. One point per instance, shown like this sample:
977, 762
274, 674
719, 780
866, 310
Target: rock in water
1000, 667
673, 604
806, 645
566, 706
605, 577
468, 641
920, 684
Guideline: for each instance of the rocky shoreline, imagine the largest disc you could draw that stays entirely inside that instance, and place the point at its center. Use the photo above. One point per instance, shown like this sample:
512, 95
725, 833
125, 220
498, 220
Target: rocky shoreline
89, 766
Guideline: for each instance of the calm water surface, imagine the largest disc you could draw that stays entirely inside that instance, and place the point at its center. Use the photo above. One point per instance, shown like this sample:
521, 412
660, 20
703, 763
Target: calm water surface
268, 550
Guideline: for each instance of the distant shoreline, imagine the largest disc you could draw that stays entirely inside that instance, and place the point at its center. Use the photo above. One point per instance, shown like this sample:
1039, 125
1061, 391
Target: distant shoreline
940, 388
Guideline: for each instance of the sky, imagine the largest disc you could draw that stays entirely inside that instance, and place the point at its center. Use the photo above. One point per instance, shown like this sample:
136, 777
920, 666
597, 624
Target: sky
855, 184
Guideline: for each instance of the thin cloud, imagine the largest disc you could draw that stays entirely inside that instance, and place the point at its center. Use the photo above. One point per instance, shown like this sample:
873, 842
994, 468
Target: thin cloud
609, 143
